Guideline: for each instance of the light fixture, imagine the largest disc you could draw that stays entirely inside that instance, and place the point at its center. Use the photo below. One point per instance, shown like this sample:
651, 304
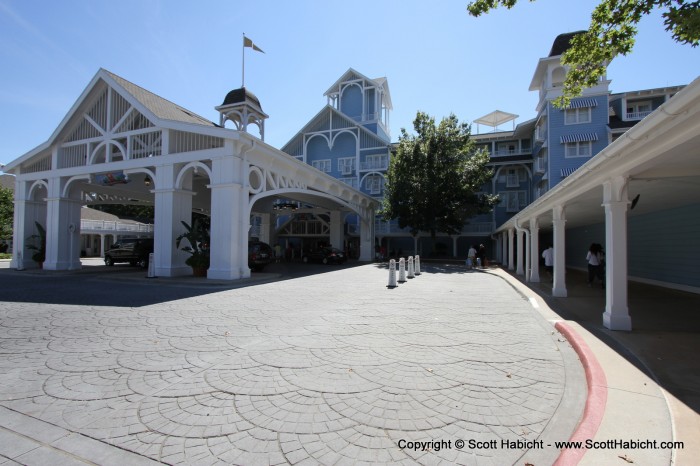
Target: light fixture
285, 205
634, 202
147, 181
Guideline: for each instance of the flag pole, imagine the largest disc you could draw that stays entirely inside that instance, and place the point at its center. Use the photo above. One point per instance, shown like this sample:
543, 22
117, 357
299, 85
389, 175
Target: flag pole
243, 64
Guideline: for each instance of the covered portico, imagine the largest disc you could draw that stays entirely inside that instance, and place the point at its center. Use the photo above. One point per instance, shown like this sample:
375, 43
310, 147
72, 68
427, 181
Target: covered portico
122, 143
639, 196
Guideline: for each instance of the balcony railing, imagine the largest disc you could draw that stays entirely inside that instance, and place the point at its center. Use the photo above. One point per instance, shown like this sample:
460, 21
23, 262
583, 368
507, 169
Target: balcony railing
381, 163
504, 152
637, 115
114, 226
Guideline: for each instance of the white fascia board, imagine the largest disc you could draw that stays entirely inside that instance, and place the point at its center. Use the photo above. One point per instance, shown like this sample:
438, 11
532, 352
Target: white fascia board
334, 87
672, 114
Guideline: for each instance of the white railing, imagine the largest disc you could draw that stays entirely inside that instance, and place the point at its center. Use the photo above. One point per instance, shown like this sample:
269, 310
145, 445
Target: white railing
378, 163
637, 115
116, 226
524, 150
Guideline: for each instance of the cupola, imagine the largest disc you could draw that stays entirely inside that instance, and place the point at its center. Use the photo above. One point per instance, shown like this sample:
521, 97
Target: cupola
242, 107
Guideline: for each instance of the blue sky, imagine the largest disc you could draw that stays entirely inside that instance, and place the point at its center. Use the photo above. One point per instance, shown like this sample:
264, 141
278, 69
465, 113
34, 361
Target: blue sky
436, 57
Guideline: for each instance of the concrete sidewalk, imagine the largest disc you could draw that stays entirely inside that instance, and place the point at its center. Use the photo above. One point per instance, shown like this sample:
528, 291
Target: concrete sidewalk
652, 373
332, 368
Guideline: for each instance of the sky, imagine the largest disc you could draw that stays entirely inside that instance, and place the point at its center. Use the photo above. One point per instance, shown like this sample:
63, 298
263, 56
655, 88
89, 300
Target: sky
436, 57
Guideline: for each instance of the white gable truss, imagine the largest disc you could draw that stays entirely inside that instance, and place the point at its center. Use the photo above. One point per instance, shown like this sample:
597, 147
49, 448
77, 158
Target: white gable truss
330, 122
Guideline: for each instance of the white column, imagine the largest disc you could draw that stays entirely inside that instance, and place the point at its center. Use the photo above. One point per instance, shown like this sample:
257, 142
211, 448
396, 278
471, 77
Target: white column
504, 249
62, 229
559, 243
230, 218
519, 268
172, 207
367, 235
337, 233
615, 201
534, 251
102, 245
511, 249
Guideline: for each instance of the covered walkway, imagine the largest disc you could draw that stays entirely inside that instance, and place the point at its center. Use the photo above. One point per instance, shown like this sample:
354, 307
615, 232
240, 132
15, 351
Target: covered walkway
653, 168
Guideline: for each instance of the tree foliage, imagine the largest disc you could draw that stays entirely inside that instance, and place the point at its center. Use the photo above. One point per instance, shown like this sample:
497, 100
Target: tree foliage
7, 209
434, 177
612, 32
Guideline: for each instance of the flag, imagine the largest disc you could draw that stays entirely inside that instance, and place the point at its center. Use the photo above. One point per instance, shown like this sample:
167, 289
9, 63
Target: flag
249, 43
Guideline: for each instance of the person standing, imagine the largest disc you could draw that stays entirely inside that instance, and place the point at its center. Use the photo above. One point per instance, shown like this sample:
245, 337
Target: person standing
471, 257
594, 258
548, 256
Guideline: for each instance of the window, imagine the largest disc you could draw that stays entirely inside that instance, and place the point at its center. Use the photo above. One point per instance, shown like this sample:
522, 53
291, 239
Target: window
512, 178
578, 149
323, 165
349, 181
346, 165
513, 201
575, 116
373, 184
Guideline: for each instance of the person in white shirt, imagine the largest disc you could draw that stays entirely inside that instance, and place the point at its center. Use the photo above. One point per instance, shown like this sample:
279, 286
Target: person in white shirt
548, 256
471, 257
595, 265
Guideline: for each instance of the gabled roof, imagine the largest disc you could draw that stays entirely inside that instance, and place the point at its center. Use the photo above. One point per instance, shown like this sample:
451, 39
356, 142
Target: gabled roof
351, 75
157, 109
161, 108
308, 127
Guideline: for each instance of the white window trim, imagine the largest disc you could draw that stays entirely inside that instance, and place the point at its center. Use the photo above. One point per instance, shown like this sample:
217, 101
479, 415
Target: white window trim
322, 165
578, 146
577, 113
506, 200
346, 165
515, 175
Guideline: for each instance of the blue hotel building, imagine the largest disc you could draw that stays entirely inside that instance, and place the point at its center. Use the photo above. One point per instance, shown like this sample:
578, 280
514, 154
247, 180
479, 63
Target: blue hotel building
350, 140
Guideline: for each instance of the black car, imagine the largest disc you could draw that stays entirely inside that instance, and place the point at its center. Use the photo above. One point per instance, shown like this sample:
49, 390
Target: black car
326, 256
259, 255
133, 251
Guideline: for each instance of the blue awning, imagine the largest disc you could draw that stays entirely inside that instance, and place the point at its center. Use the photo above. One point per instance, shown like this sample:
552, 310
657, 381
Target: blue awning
567, 171
579, 137
581, 103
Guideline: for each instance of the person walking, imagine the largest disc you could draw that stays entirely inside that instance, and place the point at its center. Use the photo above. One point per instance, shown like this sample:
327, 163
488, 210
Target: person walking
594, 257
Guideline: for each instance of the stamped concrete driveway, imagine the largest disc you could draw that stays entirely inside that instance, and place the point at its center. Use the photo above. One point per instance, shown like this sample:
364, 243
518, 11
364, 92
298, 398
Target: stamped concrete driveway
326, 369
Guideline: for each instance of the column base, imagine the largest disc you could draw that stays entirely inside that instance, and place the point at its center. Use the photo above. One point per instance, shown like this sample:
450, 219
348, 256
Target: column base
559, 292
620, 320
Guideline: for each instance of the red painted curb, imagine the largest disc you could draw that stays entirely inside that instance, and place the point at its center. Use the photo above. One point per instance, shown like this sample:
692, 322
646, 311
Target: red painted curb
595, 402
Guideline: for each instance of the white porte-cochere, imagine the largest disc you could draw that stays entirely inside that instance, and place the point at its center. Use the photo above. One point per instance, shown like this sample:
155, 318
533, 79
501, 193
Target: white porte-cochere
120, 143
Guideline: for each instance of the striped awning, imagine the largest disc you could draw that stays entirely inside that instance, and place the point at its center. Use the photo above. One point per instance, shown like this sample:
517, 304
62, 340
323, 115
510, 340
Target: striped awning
581, 103
567, 171
579, 137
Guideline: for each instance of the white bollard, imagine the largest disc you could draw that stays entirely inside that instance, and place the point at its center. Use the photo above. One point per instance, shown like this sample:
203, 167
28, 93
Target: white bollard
151, 266
410, 268
392, 274
417, 261
402, 270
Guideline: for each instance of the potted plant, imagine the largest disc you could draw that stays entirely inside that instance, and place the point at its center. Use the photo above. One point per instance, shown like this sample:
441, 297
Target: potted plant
197, 235
40, 255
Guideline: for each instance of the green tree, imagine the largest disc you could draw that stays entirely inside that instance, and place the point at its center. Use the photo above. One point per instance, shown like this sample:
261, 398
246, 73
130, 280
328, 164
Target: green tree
7, 209
434, 177
612, 32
